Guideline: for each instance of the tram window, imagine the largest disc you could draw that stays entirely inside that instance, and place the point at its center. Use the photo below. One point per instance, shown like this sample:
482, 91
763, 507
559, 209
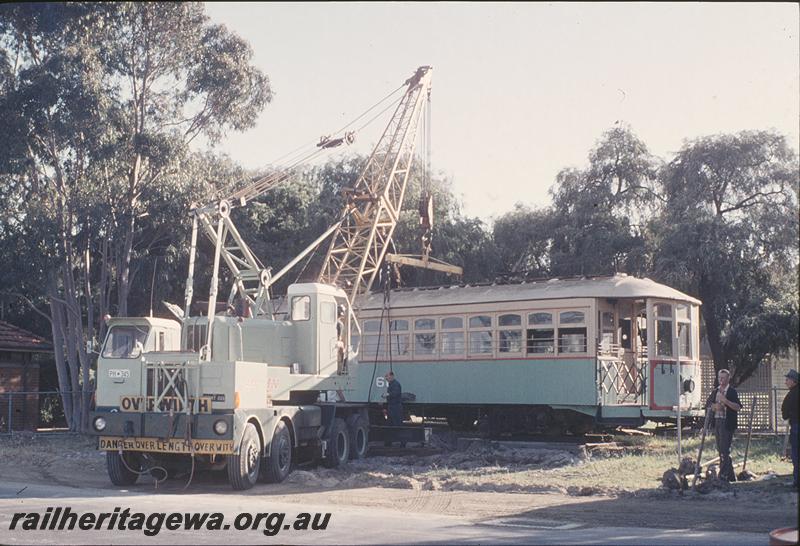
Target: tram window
571, 317
399, 325
540, 318
510, 341
664, 310
400, 345
301, 308
372, 325
664, 337
607, 331
684, 339
374, 346
424, 344
481, 321
370, 348
452, 343
572, 340
425, 324
684, 330
509, 320
451, 323
452, 336
541, 341
400, 342
641, 327
480, 342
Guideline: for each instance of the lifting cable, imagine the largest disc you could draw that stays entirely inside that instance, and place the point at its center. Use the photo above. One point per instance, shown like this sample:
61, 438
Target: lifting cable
313, 143
317, 150
309, 150
387, 291
384, 312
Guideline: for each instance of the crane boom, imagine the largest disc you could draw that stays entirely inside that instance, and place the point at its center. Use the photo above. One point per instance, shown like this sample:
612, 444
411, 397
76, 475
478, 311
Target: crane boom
373, 205
251, 280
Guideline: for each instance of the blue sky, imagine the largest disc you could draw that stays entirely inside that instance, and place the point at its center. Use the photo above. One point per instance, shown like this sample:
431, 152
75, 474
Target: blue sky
521, 91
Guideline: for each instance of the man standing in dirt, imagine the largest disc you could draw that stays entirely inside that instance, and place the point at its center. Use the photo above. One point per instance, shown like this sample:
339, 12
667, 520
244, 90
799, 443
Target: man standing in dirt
790, 410
724, 400
394, 400
394, 403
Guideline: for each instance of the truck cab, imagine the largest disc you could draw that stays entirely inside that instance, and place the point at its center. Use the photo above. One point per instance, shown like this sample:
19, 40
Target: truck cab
167, 393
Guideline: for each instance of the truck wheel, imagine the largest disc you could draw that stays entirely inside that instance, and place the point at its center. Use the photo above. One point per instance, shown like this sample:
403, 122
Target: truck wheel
118, 472
243, 468
338, 449
359, 436
278, 464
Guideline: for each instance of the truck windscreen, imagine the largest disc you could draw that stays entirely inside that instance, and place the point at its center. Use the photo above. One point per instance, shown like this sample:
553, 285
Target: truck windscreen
125, 341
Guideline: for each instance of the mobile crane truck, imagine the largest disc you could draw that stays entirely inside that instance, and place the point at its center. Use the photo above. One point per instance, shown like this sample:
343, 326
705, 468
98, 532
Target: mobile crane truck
254, 391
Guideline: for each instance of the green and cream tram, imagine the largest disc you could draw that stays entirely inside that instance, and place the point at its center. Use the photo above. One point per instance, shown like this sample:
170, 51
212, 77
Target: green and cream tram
537, 356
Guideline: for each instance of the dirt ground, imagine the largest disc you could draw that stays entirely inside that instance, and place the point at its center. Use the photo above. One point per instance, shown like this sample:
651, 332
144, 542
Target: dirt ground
481, 481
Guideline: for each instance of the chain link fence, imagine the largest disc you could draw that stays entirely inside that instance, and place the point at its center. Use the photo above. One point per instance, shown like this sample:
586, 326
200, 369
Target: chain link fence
33, 411
767, 413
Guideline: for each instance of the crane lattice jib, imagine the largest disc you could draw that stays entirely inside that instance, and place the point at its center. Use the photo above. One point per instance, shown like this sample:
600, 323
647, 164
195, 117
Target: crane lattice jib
373, 204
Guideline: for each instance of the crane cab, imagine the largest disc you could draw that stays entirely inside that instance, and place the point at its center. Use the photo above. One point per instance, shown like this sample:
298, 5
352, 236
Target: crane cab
320, 312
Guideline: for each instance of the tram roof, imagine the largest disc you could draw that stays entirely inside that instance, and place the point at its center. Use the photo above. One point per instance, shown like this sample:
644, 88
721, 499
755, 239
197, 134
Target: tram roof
617, 286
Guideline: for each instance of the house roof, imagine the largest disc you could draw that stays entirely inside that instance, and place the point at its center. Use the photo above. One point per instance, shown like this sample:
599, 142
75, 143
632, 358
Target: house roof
16, 339
617, 286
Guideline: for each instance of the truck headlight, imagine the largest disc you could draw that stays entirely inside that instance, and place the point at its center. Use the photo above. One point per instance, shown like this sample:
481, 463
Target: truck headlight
220, 427
99, 424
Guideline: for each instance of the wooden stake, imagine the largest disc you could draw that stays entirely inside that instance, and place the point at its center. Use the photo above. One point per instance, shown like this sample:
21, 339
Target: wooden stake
749, 432
702, 444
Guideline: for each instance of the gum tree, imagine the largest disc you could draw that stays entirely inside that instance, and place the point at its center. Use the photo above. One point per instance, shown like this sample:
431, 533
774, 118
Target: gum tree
728, 235
99, 103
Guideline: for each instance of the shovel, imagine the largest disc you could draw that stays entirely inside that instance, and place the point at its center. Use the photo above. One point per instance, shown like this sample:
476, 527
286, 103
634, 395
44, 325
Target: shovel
744, 475
702, 443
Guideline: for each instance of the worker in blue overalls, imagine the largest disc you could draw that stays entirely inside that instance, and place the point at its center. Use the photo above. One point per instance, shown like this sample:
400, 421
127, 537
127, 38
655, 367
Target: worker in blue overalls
394, 402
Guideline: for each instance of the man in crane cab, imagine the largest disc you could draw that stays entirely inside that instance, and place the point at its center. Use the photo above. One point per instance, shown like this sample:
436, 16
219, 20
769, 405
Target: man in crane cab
340, 341
394, 402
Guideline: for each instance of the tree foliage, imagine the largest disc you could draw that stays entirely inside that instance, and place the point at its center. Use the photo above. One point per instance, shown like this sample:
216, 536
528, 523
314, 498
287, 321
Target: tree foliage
728, 235
99, 103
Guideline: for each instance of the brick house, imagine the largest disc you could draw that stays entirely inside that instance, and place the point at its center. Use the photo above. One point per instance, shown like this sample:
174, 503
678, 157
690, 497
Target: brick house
21, 353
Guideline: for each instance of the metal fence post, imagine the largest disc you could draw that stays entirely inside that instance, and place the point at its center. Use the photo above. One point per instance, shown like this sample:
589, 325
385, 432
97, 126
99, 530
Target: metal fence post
772, 406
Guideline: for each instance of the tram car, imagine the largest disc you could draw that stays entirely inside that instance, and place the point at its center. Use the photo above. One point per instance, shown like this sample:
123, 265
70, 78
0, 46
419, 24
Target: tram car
548, 356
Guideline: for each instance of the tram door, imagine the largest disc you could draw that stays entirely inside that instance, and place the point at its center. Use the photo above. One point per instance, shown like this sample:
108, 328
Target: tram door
612, 368
630, 328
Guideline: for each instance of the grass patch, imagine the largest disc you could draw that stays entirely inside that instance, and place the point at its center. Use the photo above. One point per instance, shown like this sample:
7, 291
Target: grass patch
647, 457
638, 469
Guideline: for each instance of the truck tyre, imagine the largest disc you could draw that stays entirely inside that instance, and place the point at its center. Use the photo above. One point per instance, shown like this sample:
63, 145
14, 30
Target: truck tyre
118, 472
277, 465
243, 467
338, 449
358, 429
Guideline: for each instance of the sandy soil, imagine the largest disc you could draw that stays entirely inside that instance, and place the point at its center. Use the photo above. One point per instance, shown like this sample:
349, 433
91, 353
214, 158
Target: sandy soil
482, 482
